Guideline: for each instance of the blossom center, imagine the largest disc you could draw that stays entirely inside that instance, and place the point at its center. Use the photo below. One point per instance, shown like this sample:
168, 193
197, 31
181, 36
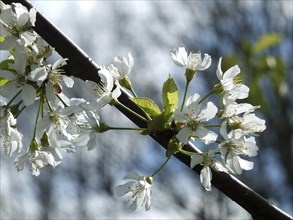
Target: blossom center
235, 147
21, 79
137, 190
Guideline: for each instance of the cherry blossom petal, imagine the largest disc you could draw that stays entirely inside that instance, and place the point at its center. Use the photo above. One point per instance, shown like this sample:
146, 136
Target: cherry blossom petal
206, 135
195, 160
206, 177
183, 135
208, 112
28, 94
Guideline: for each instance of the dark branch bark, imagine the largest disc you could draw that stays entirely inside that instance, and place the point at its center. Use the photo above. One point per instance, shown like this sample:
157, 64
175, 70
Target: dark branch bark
81, 65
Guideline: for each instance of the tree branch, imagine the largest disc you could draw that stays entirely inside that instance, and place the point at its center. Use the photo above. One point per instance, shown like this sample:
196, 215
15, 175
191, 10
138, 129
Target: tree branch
82, 66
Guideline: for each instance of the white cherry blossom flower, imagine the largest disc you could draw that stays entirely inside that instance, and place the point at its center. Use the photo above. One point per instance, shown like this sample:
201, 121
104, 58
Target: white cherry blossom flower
121, 67
105, 91
39, 155
249, 123
233, 108
38, 75
23, 80
15, 25
18, 81
235, 145
191, 61
85, 128
231, 85
10, 139
140, 187
56, 82
234, 162
55, 124
206, 161
192, 118
39, 53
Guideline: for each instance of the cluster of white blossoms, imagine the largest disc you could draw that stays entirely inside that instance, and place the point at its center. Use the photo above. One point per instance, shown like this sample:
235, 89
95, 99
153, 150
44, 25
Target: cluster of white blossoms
62, 123
238, 118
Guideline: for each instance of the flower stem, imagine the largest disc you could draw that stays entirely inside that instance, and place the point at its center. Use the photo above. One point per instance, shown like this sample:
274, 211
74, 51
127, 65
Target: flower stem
161, 167
14, 97
185, 152
210, 93
131, 111
37, 119
42, 110
48, 103
127, 129
185, 93
61, 100
19, 112
133, 92
212, 126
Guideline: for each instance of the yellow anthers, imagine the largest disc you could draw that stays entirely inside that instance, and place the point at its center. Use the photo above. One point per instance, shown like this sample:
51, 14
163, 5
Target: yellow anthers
238, 80
55, 76
234, 124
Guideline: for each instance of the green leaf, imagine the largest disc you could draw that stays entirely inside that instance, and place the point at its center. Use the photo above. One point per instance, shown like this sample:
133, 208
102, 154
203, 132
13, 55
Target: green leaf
2, 39
4, 65
147, 105
167, 114
266, 41
256, 97
170, 100
3, 81
158, 126
170, 92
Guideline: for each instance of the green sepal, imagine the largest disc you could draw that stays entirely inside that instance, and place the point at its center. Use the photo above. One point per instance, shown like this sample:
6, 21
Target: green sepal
148, 106
45, 140
173, 146
34, 146
102, 127
149, 180
218, 88
189, 74
126, 83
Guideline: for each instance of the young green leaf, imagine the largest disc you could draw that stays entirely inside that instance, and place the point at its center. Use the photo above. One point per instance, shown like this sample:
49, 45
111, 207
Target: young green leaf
266, 41
170, 92
167, 114
4, 65
147, 105
3, 81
